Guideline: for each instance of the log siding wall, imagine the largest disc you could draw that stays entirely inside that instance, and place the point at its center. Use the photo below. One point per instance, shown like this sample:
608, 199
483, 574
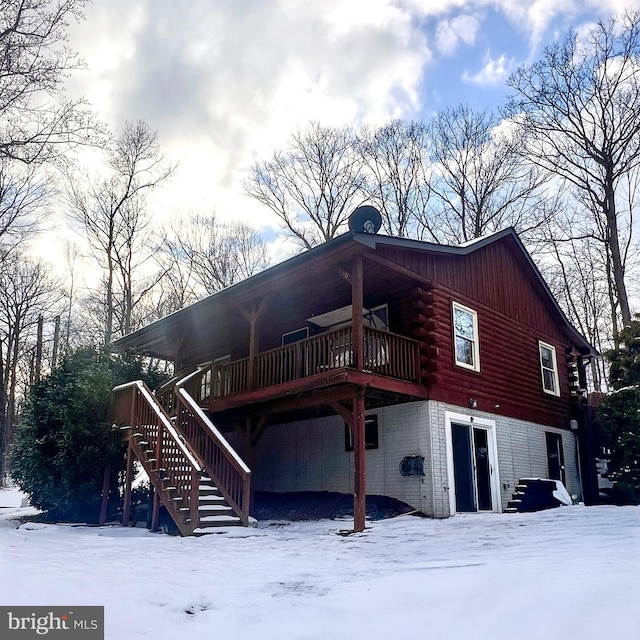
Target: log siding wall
513, 316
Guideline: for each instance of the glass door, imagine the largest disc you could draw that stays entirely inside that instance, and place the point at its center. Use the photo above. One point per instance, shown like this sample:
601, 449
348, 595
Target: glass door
472, 468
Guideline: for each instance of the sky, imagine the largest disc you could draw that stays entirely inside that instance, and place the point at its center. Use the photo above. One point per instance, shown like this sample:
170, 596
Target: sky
226, 82
565, 573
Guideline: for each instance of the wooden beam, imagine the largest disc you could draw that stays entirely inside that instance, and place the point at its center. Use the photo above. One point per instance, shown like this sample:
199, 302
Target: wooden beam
359, 463
345, 412
126, 509
258, 431
155, 510
177, 348
106, 481
315, 399
357, 304
253, 316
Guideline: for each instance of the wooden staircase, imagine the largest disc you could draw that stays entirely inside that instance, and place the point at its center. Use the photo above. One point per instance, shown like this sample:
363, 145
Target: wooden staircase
196, 475
535, 494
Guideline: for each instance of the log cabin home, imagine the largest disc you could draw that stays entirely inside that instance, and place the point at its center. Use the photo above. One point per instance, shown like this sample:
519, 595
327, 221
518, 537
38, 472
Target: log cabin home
436, 375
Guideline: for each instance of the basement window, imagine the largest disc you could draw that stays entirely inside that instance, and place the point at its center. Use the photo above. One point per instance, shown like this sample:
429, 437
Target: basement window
370, 434
549, 368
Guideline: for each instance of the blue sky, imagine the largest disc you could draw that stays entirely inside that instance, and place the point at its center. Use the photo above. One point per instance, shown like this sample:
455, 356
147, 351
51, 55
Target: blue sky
475, 70
225, 82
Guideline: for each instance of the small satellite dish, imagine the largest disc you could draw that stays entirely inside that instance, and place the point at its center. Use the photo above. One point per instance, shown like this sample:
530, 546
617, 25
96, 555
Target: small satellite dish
365, 219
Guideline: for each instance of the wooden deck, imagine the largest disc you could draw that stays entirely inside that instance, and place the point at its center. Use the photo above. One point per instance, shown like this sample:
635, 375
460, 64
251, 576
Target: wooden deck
320, 361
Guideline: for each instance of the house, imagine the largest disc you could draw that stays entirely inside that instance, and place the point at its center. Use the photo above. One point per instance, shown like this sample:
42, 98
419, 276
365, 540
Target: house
437, 375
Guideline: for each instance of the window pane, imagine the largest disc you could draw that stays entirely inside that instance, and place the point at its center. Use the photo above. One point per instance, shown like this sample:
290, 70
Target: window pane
464, 351
463, 324
546, 356
549, 379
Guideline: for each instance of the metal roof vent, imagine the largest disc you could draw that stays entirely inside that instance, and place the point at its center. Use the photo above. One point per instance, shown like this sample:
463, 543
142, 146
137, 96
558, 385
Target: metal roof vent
365, 219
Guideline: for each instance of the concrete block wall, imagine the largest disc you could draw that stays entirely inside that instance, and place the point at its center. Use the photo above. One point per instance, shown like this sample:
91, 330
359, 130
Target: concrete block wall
311, 456
522, 453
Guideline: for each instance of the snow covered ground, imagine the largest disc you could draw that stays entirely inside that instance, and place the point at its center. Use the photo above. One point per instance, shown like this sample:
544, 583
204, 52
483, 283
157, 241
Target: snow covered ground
570, 573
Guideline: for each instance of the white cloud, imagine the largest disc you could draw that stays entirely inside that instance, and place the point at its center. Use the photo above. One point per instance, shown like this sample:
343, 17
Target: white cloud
225, 83
494, 71
450, 32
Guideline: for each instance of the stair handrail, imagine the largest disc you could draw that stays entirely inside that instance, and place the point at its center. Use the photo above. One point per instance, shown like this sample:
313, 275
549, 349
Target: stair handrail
164, 418
235, 490
140, 410
165, 392
222, 441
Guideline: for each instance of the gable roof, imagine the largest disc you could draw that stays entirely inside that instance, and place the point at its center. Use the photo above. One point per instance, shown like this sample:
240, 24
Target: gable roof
145, 337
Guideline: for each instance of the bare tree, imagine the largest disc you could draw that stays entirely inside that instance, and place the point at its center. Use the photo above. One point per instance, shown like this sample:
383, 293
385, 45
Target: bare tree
313, 185
23, 203
575, 269
480, 182
26, 293
578, 111
111, 211
202, 255
398, 168
38, 123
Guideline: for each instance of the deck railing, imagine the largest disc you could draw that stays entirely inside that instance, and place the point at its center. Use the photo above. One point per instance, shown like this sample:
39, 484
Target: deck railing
165, 457
385, 353
223, 465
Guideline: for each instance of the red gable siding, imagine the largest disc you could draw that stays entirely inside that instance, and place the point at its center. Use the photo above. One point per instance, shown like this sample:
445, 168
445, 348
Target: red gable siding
513, 315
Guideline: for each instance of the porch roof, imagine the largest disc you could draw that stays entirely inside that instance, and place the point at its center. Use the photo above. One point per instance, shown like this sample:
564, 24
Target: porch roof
159, 339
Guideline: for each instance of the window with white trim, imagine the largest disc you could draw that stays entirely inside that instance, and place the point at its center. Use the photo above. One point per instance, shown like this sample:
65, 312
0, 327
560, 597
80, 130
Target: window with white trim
549, 368
465, 337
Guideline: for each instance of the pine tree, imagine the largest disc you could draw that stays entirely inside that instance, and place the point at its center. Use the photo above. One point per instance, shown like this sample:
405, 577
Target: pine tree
619, 414
65, 438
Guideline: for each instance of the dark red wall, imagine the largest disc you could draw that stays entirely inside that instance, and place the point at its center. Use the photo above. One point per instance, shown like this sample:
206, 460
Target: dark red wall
513, 315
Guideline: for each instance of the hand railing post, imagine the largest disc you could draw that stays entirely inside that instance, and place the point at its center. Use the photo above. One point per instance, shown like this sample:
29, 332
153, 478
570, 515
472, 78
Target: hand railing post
126, 511
194, 502
247, 495
299, 372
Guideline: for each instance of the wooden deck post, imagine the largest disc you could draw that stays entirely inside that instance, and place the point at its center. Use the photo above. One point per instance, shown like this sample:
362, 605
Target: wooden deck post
155, 510
126, 509
253, 315
356, 313
105, 494
359, 463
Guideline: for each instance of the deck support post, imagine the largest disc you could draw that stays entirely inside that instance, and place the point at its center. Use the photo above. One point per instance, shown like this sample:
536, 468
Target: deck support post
126, 510
251, 432
355, 419
253, 315
359, 463
155, 510
357, 304
106, 481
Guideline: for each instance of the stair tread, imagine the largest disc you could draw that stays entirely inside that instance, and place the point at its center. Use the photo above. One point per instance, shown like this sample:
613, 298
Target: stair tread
212, 530
224, 518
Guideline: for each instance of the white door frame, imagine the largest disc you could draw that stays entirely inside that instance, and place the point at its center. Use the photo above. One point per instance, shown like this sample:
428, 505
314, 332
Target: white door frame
490, 426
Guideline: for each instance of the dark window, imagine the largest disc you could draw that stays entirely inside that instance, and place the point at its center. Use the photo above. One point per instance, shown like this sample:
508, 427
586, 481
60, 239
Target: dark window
295, 336
370, 434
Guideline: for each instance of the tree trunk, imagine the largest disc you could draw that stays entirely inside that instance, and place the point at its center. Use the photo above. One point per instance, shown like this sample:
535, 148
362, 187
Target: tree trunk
617, 262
